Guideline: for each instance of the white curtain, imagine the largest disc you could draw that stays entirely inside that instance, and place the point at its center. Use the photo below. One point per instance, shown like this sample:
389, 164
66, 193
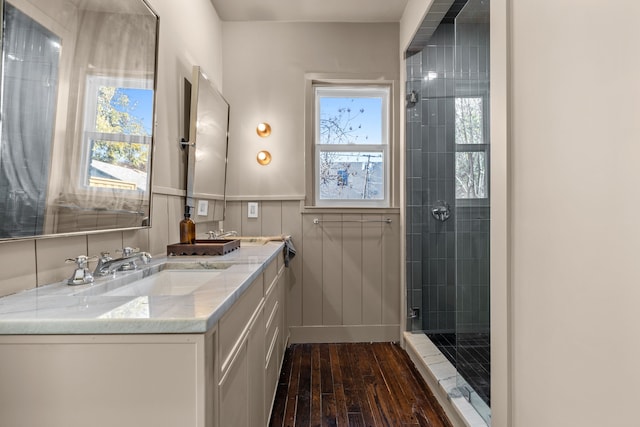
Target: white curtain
30, 75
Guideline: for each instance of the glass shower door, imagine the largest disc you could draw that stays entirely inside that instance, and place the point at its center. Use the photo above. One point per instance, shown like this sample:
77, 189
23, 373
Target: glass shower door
472, 224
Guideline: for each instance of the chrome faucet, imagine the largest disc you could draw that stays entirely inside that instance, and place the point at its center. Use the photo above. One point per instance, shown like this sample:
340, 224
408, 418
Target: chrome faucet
107, 265
220, 234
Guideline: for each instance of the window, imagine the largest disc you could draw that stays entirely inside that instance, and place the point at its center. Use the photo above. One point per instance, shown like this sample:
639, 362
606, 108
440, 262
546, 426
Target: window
351, 145
472, 150
117, 132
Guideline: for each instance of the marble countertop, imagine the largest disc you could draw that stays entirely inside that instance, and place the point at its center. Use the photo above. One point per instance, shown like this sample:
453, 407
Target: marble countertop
88, 309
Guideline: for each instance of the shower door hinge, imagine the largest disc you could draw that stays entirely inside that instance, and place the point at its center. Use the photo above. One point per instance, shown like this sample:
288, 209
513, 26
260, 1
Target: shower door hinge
414, 313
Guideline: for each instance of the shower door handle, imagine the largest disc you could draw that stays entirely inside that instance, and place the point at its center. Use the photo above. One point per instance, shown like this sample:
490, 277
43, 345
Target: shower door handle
441, 211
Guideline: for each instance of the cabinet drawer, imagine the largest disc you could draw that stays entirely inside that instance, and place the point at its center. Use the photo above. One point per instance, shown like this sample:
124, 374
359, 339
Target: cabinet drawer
270, 273
234, 392
234, 324
272, 322
272, 371
272, 295
280, 260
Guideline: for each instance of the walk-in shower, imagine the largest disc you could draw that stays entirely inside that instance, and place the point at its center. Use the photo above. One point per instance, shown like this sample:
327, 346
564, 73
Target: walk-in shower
448, 188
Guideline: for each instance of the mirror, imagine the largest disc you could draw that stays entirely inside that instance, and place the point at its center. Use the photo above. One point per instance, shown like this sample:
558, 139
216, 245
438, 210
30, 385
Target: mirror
207, 159
78, 85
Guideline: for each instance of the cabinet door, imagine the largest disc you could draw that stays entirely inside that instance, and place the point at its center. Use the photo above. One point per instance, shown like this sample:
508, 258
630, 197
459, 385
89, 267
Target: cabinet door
241, 389
256, 371
234, 390
284, 327
272, 371
102, 380
234, 324
275, 341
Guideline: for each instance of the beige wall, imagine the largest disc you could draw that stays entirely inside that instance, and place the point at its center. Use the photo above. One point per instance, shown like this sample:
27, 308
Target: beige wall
564, 273
188, 36
344, 283
264, 68
574, 201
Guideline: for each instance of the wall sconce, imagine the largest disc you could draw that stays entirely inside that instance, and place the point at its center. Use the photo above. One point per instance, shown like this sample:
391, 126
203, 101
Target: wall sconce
263, 157
263, 130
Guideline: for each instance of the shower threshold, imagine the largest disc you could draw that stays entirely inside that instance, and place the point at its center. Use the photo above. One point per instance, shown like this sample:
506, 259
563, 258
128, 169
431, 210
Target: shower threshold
473, 360
444, 381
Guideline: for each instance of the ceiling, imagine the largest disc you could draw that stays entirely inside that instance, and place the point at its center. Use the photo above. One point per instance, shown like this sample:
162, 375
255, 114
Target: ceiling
310, 10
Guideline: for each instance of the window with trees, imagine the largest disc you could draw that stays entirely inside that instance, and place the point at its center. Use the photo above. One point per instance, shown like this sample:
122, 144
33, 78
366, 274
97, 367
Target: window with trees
117, 132
472, 150
351, 145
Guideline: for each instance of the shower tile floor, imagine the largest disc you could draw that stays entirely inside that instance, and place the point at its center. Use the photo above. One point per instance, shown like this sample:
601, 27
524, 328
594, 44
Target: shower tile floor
473, 361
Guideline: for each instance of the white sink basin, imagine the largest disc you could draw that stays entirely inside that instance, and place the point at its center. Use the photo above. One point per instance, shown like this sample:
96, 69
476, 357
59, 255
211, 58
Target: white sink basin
166, 282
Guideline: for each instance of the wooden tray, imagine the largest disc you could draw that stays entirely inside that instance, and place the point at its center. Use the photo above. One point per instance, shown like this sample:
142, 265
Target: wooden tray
203, 247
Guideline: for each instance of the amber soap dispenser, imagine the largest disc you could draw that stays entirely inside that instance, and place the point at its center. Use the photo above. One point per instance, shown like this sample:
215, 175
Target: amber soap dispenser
187, 228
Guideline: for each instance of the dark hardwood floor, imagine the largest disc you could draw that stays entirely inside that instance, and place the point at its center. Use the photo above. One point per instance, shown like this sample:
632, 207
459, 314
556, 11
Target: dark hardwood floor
372, 384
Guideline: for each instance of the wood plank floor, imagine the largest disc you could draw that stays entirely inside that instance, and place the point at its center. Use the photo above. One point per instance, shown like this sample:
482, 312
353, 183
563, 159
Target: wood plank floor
372, 384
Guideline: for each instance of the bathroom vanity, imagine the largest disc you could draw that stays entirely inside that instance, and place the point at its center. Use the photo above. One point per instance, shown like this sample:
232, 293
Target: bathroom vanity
184, 341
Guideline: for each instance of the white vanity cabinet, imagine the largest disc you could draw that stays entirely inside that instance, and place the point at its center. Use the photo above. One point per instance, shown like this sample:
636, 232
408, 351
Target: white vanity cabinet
241, 346
108, 380
275, 336
225, 376
251, 343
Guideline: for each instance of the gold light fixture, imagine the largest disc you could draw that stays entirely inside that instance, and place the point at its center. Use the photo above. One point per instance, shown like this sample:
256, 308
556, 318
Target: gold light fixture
263, 157
263, 130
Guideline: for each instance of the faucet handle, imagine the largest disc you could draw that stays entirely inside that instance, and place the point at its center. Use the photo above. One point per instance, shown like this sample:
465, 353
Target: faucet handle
81, 260
105, 256
212, 234
145, 257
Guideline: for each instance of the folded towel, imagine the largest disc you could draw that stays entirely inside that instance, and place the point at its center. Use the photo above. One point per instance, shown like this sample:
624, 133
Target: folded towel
289, 250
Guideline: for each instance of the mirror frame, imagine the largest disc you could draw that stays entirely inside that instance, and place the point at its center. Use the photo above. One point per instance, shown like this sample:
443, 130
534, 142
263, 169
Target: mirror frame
199, 84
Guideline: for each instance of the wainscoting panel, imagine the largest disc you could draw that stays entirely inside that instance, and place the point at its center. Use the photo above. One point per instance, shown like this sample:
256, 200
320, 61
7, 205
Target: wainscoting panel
391, 292
350, 277
275, 217
372, 261
272, 217
344, 282
312, 298
292, 224
331, 270
351, 272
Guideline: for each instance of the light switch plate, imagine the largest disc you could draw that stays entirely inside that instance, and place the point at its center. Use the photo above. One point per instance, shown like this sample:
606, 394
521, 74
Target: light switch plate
203, 207
252, 210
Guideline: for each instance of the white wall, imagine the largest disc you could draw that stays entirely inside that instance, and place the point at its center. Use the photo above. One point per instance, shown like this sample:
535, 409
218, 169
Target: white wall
570, 221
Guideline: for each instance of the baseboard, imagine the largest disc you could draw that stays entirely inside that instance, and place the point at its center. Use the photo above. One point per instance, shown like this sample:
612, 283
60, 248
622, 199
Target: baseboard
351, 333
